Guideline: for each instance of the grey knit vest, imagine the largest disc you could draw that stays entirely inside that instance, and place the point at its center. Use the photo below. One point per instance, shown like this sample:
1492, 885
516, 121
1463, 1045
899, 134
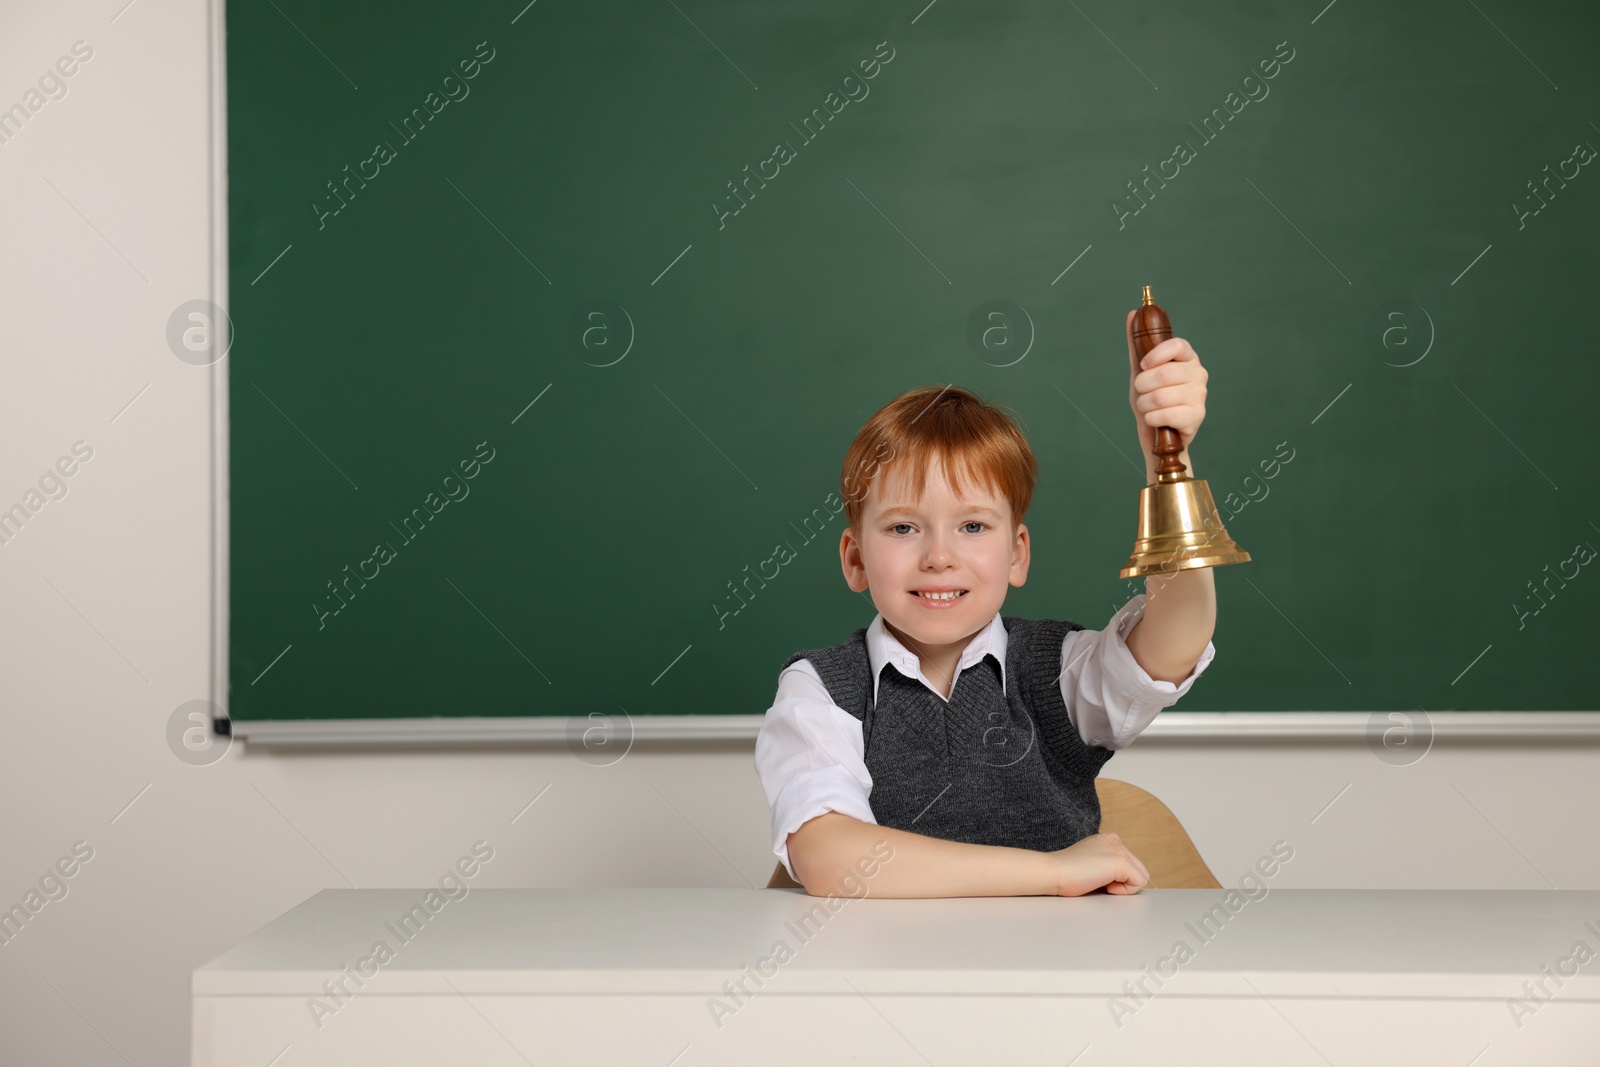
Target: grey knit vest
991, 767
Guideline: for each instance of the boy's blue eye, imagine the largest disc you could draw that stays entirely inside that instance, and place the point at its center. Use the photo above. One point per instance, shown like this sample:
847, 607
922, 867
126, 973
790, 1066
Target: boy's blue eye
982, 526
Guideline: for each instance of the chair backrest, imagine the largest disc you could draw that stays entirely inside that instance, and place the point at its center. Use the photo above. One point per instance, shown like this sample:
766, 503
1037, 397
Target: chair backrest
1154, 834
1146, 826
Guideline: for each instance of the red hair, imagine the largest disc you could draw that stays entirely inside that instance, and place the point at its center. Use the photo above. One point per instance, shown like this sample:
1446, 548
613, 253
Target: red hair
971, 438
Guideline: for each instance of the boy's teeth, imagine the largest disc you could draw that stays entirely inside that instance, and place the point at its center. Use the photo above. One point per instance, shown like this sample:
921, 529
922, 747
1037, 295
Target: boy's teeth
942, 596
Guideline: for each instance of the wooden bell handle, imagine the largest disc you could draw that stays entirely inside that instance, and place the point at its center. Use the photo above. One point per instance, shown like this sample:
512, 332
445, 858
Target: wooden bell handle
1150, 327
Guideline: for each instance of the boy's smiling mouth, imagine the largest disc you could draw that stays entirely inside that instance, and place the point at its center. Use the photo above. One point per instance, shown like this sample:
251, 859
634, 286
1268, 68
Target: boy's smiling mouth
939, 598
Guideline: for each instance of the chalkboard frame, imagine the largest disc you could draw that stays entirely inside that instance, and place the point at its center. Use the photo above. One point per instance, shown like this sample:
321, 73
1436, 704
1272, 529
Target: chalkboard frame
1345, 727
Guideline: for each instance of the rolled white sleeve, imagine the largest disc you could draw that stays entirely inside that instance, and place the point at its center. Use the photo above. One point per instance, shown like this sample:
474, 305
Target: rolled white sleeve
810, 758
1111, 698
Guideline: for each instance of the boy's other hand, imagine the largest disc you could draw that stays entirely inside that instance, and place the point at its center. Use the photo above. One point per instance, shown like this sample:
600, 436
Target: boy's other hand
1099, 860
1167, 389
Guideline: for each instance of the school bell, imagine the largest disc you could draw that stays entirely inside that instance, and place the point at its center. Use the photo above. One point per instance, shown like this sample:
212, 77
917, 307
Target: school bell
1179, 528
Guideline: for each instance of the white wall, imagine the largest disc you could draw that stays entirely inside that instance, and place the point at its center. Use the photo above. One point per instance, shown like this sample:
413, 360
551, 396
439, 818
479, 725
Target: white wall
106, 631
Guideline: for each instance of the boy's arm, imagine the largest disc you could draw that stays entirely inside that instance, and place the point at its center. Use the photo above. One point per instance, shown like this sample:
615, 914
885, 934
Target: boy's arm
1180, 613
826, 850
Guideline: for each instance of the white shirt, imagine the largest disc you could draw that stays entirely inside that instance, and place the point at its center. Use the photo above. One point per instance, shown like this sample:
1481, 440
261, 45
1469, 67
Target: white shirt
809, 751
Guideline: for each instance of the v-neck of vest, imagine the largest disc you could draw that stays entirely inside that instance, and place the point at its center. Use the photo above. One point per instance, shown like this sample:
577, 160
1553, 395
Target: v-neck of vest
944, 701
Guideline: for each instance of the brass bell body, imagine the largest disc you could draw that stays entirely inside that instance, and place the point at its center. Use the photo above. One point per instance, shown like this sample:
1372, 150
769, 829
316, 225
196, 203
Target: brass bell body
1179, 527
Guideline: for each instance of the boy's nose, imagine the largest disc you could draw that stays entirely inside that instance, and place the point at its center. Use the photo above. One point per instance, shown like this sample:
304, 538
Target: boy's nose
937, 552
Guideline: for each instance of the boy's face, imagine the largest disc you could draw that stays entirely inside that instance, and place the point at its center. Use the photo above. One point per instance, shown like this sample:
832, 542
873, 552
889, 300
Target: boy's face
906, 547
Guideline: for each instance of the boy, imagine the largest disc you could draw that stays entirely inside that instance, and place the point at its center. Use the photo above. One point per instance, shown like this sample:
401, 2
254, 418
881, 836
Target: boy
979, 749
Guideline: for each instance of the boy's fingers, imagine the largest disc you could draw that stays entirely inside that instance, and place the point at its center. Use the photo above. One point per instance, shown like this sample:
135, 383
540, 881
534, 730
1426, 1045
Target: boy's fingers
1134, 860
1178, 418
1170, 349
1172, 372
1143, 872
1178, 410
1167, 396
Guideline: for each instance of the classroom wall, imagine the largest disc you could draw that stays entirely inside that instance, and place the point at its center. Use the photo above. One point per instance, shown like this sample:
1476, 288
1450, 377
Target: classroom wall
107, 628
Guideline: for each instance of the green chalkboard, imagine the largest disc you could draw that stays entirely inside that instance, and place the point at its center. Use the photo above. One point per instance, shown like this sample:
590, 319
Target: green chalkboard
555, 321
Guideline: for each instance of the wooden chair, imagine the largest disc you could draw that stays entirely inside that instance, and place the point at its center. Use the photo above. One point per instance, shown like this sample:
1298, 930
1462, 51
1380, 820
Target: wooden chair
1146, 826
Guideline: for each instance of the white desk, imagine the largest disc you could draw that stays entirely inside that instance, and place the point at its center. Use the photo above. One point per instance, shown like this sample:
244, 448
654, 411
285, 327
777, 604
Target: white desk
626, 976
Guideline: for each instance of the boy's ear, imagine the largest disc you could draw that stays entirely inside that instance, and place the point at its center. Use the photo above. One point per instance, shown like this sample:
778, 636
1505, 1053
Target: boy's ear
855, 570
1020, 557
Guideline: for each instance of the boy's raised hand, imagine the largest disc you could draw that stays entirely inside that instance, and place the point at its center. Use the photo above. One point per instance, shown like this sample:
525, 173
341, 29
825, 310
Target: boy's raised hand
1168, 389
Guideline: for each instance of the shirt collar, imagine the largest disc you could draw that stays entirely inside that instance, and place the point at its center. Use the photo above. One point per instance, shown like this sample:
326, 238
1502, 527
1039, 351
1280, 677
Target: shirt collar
884, 648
